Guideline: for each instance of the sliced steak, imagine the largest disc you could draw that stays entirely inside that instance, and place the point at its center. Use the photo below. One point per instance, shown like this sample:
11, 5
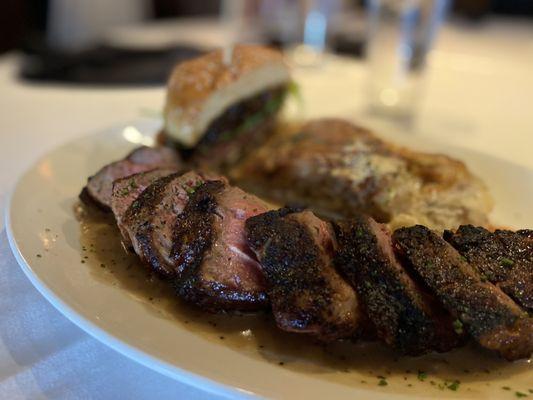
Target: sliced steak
405, 316
126, 190
488, 314
215, 268
520, 260
296, 251
150, 219
154, 156
99, 187
504, 257
526, 233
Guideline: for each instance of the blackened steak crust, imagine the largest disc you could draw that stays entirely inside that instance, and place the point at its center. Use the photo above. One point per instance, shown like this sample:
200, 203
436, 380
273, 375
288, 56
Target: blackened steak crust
150, 219
126, 190
215, 268
526, 233
488, 314
520, 250
405, 317
505, 258
100, 186
296, 252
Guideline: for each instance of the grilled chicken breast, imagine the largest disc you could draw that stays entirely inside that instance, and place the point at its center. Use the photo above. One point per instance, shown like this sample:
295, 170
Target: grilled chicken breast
338, 169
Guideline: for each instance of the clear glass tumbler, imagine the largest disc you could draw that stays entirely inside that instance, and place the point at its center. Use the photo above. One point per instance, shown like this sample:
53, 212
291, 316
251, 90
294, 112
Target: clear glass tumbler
400, 35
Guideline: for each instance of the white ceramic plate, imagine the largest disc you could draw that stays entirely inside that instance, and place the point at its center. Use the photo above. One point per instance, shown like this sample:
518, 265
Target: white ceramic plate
79, 268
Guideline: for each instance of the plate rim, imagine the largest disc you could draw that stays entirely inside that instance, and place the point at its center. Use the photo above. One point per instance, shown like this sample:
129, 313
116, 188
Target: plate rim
172, 371
101, 335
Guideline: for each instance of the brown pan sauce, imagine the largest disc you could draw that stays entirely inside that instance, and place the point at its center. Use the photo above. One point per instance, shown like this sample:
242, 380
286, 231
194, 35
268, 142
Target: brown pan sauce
469, 371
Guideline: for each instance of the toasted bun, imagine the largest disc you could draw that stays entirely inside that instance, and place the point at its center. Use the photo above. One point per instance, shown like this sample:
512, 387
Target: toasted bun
200, 90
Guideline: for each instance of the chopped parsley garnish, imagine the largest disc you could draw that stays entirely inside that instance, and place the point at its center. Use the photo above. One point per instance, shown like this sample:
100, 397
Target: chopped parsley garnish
382, 382
299, 137
253, 120
294, 90
520, 394
422, 376
191, 189
271, 106
507, 262
506, 388
458, 327
453, 385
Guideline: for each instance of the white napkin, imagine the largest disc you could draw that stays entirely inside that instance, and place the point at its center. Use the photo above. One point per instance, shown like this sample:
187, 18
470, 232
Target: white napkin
45, 356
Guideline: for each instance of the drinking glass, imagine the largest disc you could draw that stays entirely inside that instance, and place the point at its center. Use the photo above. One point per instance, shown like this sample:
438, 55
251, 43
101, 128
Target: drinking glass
400, 35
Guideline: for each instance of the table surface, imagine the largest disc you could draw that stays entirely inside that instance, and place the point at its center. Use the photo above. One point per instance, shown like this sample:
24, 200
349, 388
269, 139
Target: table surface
478, 95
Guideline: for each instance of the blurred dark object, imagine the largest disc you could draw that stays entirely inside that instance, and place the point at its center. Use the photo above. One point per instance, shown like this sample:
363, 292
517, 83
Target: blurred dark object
513, 7
353, 46
185, 8
349, 45
103, 65
23, 26
478, 9
472, 9
19, 20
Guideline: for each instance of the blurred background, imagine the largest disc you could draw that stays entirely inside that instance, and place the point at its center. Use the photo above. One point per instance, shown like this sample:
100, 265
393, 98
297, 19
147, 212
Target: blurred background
135, 42
456, 71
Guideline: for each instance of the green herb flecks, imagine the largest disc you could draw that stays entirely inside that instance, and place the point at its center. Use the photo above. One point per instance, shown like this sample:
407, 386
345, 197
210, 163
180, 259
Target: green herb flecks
458, 327
191, 189
294, 91
254, 120
507, 262
422, 376
454, 385
383, 382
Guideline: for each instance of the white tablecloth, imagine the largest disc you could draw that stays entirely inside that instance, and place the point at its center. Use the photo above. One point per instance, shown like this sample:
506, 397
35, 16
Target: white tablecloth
479, 96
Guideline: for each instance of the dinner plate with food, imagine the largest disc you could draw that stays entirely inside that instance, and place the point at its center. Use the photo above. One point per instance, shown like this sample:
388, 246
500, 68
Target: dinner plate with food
252, 255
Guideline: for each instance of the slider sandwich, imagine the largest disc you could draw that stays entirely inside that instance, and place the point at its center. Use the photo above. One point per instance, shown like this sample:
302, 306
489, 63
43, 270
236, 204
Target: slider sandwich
223, 104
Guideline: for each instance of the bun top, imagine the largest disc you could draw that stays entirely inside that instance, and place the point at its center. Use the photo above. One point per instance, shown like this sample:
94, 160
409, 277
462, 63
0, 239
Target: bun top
201, 89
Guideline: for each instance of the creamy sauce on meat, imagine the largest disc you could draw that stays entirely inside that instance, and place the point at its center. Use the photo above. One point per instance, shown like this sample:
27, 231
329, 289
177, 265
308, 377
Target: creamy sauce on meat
469, 371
